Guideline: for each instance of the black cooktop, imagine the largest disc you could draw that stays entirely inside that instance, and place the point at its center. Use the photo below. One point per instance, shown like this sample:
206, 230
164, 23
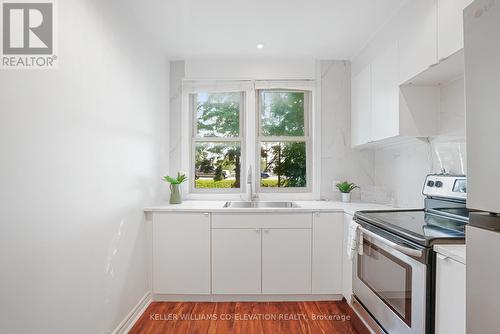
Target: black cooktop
419, 226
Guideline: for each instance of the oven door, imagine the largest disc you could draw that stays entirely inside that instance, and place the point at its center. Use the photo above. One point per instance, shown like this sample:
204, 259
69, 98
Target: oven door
389, 279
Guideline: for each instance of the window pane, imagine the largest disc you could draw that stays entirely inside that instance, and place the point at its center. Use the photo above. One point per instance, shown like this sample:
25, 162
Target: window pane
218, 114
217, 165
283, 164
282, 114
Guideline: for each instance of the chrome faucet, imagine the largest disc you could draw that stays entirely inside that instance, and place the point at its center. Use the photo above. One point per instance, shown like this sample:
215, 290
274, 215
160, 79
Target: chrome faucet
251, 195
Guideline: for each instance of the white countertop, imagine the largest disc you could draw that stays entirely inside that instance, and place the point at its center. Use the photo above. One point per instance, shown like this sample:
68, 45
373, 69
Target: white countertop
455, 252
304, 206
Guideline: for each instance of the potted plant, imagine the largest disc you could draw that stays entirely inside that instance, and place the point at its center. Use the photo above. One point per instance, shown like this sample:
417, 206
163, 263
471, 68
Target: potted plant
346, 188
175, 192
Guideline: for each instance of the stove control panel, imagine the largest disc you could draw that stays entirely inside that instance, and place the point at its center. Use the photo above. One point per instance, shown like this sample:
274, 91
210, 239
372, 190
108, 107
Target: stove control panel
445, 186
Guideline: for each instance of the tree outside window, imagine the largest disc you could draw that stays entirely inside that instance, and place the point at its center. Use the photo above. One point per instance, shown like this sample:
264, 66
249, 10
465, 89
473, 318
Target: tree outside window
217, 142
283, 139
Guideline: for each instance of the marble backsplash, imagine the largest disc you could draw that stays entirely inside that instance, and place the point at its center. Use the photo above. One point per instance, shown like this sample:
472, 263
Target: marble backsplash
339, 161
400, 171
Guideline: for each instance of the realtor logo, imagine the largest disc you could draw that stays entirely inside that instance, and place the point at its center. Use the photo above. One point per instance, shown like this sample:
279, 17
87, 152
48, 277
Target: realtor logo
28, 34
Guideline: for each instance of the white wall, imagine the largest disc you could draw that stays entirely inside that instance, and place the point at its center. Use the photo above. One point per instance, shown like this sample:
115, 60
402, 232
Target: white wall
250, 69
80, 155
402, 169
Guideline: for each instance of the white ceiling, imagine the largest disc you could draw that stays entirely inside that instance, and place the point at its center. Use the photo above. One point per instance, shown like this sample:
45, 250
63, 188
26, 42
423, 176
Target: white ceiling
289, 29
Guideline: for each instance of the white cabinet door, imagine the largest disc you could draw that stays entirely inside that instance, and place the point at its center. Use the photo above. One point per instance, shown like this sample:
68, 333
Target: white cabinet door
286, 261
450, 26
181, 253
327, 253
482, 278
385, 94
450, 296
346, 263
236, 261
418, 41
361, 90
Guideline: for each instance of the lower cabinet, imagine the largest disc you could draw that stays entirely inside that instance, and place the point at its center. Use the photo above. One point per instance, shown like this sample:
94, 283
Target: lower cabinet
261, 260
261, 253
237, 254
236, 261
346, 262
450, 296
286, 261
181, 253
327, 253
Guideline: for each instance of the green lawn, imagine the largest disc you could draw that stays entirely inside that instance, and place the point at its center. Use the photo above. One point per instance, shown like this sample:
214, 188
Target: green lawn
208, 183
269, 183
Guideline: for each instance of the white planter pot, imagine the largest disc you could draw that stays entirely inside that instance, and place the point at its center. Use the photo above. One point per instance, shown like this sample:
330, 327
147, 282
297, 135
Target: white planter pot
346, 197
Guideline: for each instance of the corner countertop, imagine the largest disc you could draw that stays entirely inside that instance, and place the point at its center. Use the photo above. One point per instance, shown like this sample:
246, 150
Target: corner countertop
455, 252
304, 206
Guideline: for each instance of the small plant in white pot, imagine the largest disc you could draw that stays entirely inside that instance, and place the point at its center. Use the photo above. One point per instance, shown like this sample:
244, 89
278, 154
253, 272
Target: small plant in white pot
175, 182
345, 188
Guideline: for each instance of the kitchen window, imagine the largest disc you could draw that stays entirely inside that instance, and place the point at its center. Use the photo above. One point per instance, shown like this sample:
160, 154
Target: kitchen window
217, 140
283, 140
266, 130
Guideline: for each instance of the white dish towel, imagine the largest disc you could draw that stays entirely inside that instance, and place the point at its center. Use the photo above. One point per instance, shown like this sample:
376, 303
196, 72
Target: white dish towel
354, 240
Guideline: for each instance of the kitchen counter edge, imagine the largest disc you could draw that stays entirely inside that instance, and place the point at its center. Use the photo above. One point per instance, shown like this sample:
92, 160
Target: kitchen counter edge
304, 206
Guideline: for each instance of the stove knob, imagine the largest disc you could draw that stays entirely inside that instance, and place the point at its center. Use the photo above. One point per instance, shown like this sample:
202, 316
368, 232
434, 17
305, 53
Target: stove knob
430, 183
439, 184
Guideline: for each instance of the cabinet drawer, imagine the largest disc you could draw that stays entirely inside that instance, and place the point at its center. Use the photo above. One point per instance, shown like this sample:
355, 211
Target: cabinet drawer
262, 220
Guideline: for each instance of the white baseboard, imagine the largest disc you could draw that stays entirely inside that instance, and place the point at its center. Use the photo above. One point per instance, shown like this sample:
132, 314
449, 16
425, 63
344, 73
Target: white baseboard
131, 318
243, 298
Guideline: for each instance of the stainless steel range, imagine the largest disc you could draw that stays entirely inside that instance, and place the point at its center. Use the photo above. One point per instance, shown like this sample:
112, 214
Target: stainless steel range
394, 269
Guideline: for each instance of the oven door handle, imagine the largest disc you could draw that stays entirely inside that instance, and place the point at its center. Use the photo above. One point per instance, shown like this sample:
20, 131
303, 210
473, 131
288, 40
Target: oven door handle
403, 249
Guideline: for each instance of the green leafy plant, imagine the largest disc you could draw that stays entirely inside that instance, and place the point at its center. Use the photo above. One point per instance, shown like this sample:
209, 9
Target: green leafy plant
346, 187
177, 180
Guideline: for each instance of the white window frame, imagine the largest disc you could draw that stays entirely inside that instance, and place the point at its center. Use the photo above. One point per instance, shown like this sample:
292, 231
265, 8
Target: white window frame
250, 157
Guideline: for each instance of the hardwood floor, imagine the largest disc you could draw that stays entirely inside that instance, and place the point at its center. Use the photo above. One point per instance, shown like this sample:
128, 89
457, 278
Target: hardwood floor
249, 318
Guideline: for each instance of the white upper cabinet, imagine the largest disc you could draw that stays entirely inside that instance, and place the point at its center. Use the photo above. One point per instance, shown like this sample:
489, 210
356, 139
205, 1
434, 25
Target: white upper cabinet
361, 91
418, 39
383, 111
385, 95
395, 82
450, 26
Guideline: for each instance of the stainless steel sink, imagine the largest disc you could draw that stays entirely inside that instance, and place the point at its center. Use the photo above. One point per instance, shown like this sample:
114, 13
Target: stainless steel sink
258, 204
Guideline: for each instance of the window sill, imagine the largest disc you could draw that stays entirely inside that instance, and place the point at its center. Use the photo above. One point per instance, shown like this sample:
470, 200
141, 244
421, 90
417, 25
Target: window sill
260, 196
